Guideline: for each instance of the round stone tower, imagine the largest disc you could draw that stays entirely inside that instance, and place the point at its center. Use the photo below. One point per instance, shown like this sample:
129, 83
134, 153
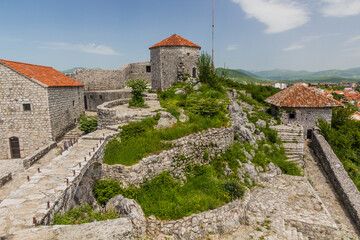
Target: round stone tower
171, 59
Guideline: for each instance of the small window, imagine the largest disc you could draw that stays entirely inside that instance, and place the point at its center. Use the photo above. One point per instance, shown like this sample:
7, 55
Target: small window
188, 54
148, 69
101, 98
27, 107
292, 115
194, 73
73, 104
91, 96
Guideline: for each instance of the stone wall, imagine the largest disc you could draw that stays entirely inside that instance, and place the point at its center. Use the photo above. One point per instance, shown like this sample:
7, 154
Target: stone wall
31, 127
189, 148
344, 186
65, 105
5, 178
306, 117
169, 64
95, 98
30, 160
221, 220
98, 79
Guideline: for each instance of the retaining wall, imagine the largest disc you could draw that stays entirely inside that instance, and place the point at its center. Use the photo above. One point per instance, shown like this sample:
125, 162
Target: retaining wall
189, 149
5, 178
344, 186
218, 221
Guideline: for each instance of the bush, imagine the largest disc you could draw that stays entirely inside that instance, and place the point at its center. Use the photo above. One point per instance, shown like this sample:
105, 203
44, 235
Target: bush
138, 87
88, 124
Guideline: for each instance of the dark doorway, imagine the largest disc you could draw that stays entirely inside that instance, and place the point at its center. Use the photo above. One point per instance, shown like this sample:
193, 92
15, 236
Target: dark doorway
309, 133
15, 147
85, 102
194, 73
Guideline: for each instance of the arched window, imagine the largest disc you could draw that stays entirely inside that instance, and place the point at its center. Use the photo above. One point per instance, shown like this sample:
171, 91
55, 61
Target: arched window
14, 147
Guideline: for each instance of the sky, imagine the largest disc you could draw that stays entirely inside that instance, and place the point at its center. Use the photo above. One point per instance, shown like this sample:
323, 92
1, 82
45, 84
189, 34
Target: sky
249, 34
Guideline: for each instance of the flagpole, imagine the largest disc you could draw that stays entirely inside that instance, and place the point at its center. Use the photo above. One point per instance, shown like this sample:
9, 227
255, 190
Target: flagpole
212, 55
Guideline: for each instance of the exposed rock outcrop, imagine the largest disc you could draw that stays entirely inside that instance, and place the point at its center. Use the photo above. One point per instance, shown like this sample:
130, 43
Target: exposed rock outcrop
240, 121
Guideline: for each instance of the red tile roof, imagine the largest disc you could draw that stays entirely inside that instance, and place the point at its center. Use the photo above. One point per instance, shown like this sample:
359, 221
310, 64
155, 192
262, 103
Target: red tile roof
175, 40
301, 96
45, 75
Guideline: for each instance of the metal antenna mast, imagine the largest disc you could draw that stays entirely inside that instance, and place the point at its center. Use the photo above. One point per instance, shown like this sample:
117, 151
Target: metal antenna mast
212, 55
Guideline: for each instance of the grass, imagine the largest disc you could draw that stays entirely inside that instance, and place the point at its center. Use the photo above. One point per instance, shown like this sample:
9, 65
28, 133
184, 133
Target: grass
82, 214
141, 139
167, 198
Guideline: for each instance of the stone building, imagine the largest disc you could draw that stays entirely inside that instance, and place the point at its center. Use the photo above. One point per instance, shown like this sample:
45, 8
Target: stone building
300, 105
171, 59
108, 85
38, 106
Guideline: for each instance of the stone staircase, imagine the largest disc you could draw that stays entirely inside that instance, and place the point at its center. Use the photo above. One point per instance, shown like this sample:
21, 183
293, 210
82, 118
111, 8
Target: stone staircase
292, 137
75, 133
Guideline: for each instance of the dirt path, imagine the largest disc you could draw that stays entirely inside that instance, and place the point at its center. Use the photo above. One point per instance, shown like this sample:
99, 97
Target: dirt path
318, 179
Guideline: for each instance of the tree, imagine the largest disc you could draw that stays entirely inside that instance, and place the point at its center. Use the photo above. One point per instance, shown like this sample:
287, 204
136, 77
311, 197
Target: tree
138, 87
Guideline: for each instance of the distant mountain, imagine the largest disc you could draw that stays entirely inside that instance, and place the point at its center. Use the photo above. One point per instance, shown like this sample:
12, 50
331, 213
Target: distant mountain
240, 76
247, 73
72, 70
323, 80
282, 74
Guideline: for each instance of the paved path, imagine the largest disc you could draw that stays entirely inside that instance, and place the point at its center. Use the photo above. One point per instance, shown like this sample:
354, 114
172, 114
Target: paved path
22, 199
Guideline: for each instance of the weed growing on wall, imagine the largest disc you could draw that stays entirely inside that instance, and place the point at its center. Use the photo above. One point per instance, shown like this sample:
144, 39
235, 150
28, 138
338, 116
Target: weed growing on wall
82, 214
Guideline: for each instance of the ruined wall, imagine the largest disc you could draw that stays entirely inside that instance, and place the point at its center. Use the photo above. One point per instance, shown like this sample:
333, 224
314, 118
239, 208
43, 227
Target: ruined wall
344, 186
31, 127
65, 105
170, 64
306, 117
98, 79
95, 98
189, 148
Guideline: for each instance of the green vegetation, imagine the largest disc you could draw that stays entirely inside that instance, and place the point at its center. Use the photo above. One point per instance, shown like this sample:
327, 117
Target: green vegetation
82, 214
343, 135
138, 87
205, 187
139, 139
88, 124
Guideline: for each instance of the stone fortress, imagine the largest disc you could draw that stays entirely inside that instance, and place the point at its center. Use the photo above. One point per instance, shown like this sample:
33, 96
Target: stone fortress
280, 207
170, 60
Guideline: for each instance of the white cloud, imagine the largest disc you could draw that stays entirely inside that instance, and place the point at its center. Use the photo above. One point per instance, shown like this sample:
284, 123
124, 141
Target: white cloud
87, 48
278, 15
232, 47
353, 39
340, 8
301, 43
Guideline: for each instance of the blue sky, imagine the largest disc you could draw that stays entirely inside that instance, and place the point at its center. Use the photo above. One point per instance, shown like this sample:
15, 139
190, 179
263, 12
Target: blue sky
249, 34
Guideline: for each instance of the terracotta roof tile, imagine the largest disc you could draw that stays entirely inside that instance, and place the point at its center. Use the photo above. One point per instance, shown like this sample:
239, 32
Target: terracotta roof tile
301, 96
175, 40
45, 75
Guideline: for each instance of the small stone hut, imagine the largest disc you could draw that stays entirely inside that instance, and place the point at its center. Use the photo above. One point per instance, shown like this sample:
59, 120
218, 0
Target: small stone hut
171, 59
38, 106
300, 105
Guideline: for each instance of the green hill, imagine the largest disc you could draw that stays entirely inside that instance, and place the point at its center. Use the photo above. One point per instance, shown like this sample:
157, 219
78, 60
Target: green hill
240, 76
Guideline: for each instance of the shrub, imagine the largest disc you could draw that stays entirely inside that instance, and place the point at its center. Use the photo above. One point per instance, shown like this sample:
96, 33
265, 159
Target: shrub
234, 189
104, 190
88, 124
138, 87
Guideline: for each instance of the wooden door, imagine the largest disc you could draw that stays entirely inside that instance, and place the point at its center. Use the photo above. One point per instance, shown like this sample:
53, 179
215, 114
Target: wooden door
15, 147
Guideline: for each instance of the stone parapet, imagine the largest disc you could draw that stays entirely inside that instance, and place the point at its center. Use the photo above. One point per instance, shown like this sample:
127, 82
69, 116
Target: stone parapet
5, 178
344, 186
186, 149
30, 160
